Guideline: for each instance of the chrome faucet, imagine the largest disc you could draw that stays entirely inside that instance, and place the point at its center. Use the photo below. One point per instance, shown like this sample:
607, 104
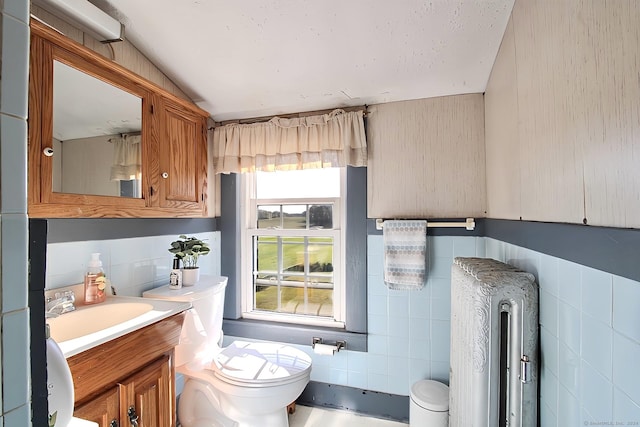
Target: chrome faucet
62, 302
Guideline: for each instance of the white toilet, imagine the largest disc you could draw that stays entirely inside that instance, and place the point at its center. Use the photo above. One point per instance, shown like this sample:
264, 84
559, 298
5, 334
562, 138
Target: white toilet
429, 405
242, 385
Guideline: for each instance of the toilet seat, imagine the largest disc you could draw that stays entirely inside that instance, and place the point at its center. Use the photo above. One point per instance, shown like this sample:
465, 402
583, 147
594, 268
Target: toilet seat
254, 365
260, 364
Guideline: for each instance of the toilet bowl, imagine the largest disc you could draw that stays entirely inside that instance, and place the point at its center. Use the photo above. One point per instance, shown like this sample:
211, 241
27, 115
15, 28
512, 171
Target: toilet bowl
246, 384
429, 405
249, 384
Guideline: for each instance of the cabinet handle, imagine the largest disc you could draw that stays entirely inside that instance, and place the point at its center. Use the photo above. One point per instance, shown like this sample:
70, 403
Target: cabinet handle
113, 423
48, 151
133, 417
165, 175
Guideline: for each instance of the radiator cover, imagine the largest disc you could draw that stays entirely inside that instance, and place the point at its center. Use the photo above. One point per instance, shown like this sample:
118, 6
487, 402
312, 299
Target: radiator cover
494, 340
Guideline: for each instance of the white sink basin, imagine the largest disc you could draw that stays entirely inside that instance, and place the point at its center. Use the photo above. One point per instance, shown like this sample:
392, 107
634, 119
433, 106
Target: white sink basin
92, 325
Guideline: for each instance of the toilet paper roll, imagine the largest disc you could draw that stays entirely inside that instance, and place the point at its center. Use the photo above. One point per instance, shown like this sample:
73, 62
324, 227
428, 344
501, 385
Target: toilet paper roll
326, 349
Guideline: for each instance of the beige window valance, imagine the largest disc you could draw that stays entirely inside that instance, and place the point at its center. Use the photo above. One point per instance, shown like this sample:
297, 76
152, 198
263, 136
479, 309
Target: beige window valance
126, 158
329, 140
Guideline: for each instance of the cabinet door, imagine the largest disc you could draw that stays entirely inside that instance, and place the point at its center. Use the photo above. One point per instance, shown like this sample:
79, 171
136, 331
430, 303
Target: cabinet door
183, 158
104, 409
149, 395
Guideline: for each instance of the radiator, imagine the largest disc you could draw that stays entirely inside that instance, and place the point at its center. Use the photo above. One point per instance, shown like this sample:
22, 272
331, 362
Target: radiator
494, 345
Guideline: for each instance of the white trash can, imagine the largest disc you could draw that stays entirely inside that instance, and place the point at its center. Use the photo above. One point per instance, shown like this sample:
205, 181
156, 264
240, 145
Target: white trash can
429, 404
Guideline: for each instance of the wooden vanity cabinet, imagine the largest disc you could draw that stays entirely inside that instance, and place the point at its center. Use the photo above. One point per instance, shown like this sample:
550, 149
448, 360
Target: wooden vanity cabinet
104, 409
148, 393
142, 396
173, 138
131, 376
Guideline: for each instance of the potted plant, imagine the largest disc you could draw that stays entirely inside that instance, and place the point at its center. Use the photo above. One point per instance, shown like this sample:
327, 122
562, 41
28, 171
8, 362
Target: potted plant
188, 250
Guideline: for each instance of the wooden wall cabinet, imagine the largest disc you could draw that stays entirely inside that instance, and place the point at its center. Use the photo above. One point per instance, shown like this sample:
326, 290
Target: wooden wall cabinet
182, 156
173, 137
131, 376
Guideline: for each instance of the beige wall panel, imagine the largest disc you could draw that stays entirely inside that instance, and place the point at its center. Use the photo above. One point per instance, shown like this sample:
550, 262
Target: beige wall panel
608, 49
501, 134
104, 49
86, 166
550, 160
426, 158
124, 53
67, 29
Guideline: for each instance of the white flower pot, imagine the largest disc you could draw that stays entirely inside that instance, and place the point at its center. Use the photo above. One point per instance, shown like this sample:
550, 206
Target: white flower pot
190, 276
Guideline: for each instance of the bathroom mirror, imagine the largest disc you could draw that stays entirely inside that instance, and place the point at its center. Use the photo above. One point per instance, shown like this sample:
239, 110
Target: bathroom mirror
105, 142
96, 136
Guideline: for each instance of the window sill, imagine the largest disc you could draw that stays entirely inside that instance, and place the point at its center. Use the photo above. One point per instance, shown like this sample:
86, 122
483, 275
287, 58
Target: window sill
292, 334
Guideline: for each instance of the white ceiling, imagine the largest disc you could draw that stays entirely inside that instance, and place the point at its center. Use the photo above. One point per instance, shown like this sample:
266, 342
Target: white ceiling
251, 58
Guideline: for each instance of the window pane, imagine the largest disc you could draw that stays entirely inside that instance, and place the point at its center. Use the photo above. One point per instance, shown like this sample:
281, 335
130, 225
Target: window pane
269, 216
267, 298
294, 275
320, 302
320, 216
293, 251
294, 217
267, 261
298, 184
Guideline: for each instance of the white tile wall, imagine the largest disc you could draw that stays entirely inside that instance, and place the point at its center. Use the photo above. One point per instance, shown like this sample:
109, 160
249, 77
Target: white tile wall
14, 341
408, 330
590, 339
132, 265
590, 342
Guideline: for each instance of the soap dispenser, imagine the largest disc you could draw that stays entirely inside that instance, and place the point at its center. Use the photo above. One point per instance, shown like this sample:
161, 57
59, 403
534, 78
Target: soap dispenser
94, 281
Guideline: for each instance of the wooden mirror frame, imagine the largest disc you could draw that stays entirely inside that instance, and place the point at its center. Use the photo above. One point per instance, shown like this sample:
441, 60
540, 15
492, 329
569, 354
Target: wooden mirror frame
48, 45
176, 125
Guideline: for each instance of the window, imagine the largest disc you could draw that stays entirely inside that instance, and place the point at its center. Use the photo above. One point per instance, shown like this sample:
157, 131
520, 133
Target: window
292, 247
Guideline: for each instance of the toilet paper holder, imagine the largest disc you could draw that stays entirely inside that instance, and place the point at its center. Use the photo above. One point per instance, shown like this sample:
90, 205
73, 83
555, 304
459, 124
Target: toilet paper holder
336, 345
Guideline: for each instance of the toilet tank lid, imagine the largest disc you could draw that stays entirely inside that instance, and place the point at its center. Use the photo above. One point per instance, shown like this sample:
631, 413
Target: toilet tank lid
206, 285
431, 395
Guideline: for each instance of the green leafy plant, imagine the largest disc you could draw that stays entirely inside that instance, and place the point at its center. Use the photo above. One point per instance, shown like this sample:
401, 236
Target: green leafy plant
188, 249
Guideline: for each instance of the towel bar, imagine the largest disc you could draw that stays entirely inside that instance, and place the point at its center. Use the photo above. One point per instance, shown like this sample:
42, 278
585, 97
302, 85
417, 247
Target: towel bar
469, 224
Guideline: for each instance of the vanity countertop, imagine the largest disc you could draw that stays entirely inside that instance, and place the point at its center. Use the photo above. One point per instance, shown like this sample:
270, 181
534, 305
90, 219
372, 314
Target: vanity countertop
91, 325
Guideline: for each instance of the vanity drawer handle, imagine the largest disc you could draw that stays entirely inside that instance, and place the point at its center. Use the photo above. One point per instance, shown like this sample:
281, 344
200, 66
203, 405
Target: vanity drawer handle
165, 175
113, 423
133, 417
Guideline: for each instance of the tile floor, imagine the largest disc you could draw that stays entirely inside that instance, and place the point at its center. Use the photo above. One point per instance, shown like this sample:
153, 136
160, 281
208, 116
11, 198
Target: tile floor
319, 417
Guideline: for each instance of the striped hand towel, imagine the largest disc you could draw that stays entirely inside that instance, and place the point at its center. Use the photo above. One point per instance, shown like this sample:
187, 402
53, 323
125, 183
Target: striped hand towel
405, 254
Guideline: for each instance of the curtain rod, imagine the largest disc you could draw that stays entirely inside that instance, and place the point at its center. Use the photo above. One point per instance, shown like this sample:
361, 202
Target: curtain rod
288, 116
469, 224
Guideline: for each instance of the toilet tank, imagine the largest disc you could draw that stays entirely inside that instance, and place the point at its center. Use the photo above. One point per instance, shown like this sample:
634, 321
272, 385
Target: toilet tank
202, 329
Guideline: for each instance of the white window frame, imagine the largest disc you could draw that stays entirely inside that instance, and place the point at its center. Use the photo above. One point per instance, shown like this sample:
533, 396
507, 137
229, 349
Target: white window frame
248, 209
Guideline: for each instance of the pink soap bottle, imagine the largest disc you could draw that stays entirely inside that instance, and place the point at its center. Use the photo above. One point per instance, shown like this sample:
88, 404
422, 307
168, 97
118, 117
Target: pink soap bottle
94, 281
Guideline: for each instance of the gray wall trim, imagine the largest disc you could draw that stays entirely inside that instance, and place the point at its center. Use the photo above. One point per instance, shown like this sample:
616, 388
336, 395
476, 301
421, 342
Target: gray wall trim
63, 230
614, 250
292, 334
230, 242
478, 231
370, 403
356, 250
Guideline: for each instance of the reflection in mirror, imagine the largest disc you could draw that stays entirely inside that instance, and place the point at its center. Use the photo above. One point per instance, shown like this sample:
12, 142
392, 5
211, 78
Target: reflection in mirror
96, 136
